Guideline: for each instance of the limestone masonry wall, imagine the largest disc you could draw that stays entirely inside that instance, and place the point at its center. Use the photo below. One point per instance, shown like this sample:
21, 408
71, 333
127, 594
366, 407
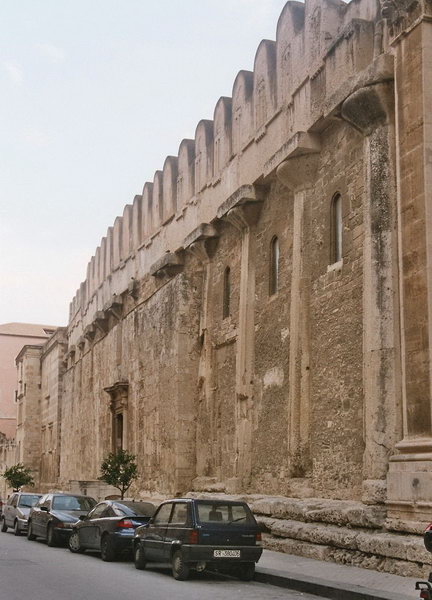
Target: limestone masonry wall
258, 319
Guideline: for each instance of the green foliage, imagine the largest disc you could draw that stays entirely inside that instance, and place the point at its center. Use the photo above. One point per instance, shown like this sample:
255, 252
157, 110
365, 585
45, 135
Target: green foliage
119, 469
17, 476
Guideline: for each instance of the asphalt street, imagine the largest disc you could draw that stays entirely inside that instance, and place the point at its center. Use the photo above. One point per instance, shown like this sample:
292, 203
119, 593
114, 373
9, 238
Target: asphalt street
31, 570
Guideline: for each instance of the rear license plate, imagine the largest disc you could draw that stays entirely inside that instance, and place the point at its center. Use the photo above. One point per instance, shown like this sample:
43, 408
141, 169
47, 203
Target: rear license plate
226, 553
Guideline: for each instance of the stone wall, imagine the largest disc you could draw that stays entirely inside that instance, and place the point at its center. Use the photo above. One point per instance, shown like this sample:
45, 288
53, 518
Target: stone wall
258, 318
8, 452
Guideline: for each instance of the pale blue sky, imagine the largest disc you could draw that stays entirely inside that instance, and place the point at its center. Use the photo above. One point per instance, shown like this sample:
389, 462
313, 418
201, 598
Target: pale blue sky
94, 95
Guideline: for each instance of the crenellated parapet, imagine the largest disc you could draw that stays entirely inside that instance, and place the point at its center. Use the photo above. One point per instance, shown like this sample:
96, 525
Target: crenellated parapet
324, 50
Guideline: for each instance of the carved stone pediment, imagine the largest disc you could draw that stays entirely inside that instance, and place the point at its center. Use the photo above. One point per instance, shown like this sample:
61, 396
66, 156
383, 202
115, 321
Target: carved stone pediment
118, 393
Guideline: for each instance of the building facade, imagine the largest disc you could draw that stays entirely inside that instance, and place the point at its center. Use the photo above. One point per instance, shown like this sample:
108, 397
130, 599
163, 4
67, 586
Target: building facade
13, 336
257, 321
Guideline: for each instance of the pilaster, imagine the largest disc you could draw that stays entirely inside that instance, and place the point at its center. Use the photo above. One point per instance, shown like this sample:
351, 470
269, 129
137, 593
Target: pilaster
298, 173
410, 469
371, 111
242, 212
201, 244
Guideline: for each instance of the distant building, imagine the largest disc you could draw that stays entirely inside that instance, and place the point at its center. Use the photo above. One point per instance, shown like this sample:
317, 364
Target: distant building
13, 336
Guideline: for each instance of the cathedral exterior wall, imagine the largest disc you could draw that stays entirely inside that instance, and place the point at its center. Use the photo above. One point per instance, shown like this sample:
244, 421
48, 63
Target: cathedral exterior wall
257, 321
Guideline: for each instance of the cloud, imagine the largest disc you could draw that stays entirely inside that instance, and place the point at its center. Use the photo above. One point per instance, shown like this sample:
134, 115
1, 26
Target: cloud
55, 54
14, 71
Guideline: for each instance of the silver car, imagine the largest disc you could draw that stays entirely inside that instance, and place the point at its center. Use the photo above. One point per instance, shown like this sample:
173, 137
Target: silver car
16, 511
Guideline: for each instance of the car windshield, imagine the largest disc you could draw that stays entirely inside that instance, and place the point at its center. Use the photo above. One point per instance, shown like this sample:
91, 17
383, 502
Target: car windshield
139, 509
28, 500
219, 513
73, 503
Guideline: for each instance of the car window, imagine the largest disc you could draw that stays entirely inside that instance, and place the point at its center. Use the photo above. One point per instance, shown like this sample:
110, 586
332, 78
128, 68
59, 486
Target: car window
73, 503
162, 515
223, 514
13, 500
98, 511
131, 509
41, 500
28, 500
47, 502
179, 514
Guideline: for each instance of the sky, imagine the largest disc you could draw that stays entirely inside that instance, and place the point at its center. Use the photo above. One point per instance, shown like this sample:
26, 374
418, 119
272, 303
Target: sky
94, 94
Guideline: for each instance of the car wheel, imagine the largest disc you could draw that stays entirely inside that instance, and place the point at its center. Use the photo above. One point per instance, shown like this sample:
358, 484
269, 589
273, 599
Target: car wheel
17, 530
139, 557
51, 537
30, 534
74, 543
4, 527
108, 552
180, 569
246, 572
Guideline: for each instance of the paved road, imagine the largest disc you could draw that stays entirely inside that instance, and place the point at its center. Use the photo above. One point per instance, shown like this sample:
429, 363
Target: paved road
32, 571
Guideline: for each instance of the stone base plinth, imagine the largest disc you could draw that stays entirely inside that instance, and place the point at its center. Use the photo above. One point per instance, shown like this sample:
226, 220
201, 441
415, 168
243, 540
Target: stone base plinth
409, 482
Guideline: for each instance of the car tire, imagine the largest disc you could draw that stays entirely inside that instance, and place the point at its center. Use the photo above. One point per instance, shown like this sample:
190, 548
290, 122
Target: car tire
246, 572
17, 530
180, 569
30, 535
108, 551
4, 527
139, 557
51, 537
74, 543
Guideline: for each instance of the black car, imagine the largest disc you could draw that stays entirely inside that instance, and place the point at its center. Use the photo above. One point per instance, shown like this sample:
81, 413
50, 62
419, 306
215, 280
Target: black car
198, 534
53, 516
110, 527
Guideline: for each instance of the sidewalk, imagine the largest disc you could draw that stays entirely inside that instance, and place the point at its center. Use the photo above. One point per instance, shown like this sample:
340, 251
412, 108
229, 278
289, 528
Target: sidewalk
331, 580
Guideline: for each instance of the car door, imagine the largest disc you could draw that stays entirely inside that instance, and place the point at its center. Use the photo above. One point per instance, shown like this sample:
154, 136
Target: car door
101, 524
86, 528
177, 527
9, 510
44, 515
36, 518
154, 540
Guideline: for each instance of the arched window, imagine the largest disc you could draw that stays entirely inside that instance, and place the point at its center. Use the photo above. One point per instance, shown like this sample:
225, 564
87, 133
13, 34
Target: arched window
336, 229
274, 266
226, 309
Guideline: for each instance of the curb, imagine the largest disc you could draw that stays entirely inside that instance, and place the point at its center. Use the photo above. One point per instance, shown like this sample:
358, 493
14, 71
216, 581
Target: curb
322, 587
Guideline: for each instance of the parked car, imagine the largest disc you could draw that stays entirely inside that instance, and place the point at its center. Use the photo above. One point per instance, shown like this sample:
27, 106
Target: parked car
16, 511
198, 534
110, 527
53, 515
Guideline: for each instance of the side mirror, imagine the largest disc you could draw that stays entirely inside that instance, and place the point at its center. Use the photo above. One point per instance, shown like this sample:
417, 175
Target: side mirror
82, 517
44, 508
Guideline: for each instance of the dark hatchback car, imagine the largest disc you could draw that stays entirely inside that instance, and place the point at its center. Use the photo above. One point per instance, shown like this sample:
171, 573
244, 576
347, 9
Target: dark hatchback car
198, 534
53, 516
110, 527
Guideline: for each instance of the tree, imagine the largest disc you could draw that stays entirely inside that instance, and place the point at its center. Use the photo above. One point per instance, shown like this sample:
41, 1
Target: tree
17, 476
119, 469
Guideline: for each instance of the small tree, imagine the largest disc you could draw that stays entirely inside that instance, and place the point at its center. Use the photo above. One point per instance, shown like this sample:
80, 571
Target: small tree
119, 469
17, 476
